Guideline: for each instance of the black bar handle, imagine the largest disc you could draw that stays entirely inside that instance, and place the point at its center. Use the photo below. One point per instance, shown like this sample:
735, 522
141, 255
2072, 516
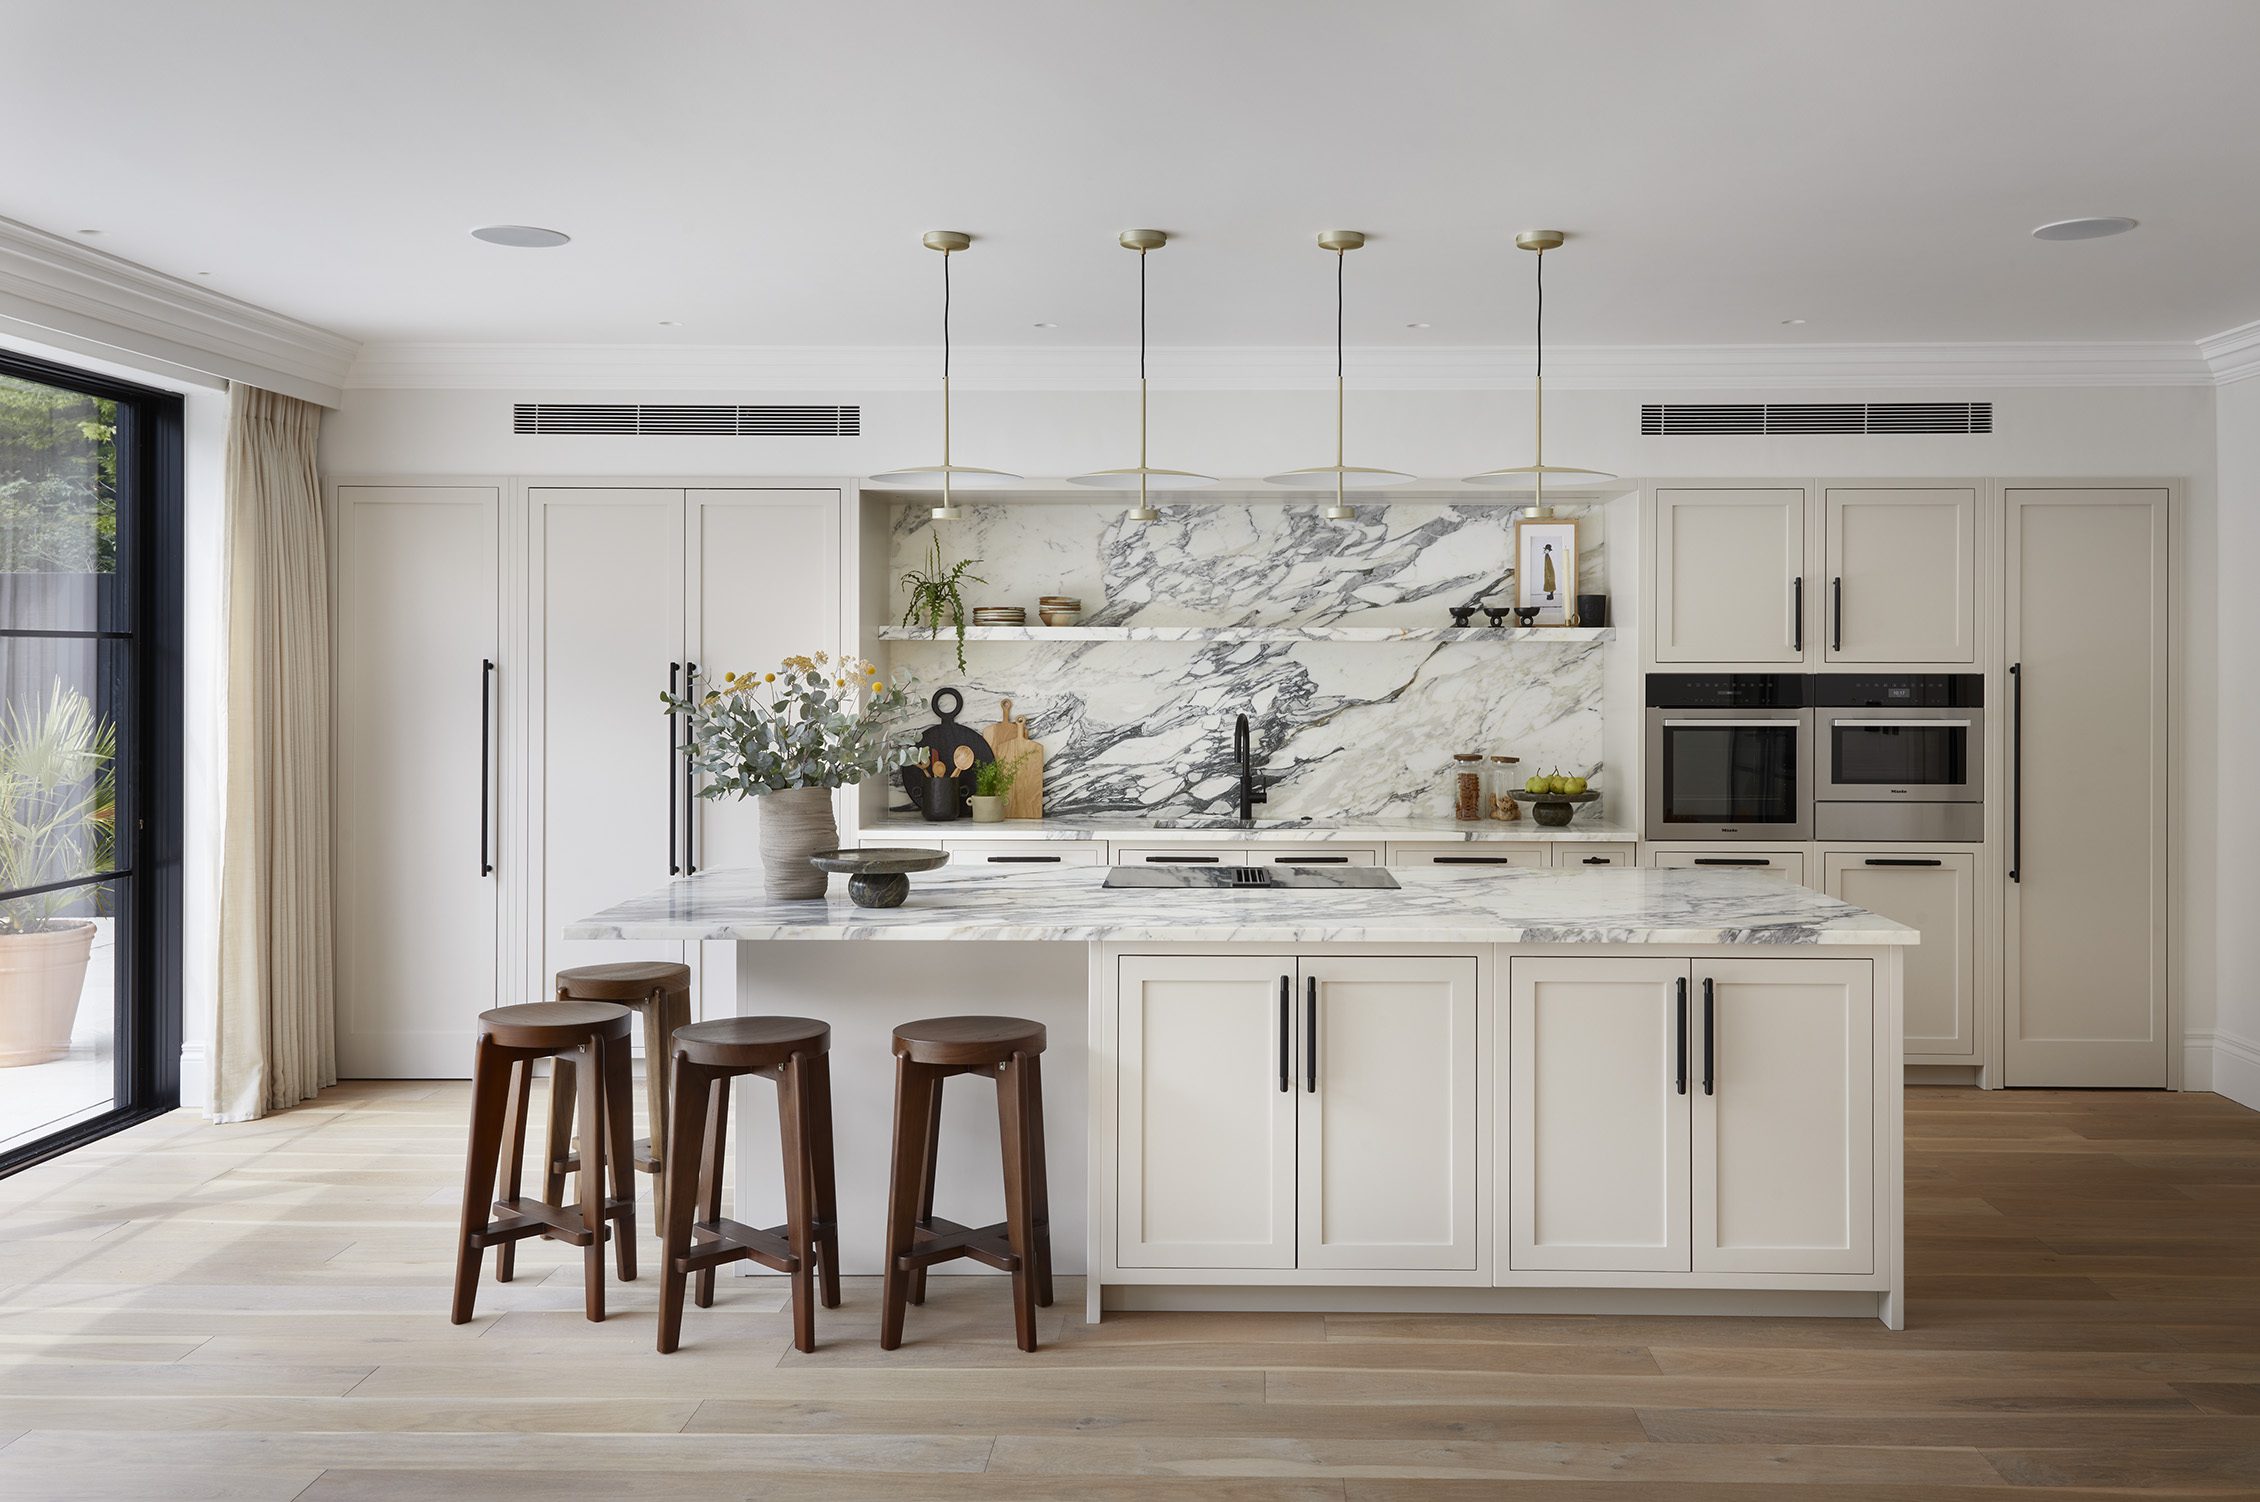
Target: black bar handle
1471, 860
1312, 860
2016, 771
1710, 1037
674, 686
1310, 1034
1024, 860
486, 766
1286, 992
1836, 615
1600, 860
1797, 608
1681, 1077
1732, 860
1891, 860
690, 793
1184, 860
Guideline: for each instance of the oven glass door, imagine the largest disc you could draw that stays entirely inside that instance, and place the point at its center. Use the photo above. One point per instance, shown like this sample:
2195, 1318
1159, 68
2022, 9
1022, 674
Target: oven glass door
1899, 758
1730, 772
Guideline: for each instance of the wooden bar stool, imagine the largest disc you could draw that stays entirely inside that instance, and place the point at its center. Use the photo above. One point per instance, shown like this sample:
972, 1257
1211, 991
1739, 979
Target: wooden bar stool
695, 1238
660, 992
502, 1069
927, 1053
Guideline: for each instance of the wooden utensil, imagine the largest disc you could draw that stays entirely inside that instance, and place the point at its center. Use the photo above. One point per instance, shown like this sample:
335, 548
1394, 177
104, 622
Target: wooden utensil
951, 749
1009, 738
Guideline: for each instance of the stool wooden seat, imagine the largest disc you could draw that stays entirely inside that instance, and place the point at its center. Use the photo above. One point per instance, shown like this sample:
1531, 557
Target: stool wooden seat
660, 991
510, 1040
928, 1052
695, 1237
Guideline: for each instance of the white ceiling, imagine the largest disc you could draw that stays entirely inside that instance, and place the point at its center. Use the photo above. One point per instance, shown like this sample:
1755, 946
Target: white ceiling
761, 172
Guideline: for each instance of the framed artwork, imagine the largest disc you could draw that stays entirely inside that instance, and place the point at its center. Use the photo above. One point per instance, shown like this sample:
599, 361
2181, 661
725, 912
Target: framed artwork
1546, 567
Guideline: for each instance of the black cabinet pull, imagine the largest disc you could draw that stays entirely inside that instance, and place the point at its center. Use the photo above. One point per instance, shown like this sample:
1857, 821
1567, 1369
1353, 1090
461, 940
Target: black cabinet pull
1710, 1036
1732, 860
674, 686
1836, 615
1023, 860
1185, 860
1905, 860
1310, 1034
690, 794
1286, 991
486, 766
1312, 860
1797, 612
1681, 1077
1599, 860
2016, 771
1471, 860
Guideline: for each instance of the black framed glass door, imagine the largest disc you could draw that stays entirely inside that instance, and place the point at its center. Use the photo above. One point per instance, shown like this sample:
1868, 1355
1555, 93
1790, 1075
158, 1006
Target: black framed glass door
90, 755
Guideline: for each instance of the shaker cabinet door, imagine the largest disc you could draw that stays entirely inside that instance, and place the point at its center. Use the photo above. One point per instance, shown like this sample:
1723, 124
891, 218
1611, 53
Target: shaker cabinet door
1901, 583
1729, 576
1936, 892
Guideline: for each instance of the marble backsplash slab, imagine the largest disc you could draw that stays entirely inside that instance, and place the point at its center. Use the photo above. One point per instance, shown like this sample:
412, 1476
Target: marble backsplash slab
1341, 730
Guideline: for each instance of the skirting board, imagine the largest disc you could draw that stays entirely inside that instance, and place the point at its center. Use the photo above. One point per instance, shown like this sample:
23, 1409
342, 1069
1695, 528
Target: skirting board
2231, 1067
195, 1077
1796, 1304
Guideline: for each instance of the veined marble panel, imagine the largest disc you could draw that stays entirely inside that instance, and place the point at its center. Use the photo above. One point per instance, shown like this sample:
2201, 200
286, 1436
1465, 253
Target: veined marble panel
1342, 730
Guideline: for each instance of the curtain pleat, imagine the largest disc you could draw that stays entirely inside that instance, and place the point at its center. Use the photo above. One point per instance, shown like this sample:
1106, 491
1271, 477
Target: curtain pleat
275, 1042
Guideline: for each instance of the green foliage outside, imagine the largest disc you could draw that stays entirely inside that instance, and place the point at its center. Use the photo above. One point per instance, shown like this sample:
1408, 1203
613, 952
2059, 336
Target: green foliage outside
58, 480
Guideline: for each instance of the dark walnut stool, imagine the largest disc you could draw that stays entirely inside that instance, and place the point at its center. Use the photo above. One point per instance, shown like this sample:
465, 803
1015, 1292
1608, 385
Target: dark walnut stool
927, 1053
595, 1036
661, 993
694, 1236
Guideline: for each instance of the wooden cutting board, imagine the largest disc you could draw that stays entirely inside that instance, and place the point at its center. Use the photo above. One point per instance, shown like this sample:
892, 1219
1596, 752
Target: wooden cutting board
1010, 740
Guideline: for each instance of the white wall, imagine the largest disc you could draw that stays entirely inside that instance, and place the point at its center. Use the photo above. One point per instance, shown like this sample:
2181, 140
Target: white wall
2236, 1051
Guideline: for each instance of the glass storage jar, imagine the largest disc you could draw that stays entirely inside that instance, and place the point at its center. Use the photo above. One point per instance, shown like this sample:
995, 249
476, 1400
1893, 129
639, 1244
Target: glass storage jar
1506, 781
1466, 786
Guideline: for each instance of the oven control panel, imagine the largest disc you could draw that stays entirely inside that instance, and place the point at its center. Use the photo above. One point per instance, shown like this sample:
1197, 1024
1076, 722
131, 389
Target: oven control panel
1899, 690
1728, 691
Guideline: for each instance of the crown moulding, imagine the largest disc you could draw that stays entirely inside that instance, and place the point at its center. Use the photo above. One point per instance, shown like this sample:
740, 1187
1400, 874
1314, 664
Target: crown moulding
1804, 367
2233, 354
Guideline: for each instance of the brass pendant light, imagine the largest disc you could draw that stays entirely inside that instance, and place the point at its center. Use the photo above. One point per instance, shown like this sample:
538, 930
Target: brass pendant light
926, 477
1338, 476
1143, 477
1536, 473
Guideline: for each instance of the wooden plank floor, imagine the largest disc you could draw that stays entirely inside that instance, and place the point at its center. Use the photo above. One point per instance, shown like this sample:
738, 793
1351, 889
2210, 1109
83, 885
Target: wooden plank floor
259, 1311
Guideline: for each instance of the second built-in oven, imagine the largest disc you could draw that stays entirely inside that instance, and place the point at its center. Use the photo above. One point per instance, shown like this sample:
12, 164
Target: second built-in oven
1901, 756
1730, 757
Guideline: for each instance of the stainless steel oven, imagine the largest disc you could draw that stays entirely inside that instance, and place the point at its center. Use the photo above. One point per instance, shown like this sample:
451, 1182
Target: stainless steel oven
1730, 757
1901, 756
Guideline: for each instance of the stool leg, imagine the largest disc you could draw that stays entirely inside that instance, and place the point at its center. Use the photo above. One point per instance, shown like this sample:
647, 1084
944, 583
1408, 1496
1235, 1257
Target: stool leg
710, 1174
1040, 1208
687, 1092
593, 1133
513, 1157
620, 1121
562, 1095
1019, 1194
658, 1043
490, 1095
793, 1131
913, 1085
928, 1168
823, 1196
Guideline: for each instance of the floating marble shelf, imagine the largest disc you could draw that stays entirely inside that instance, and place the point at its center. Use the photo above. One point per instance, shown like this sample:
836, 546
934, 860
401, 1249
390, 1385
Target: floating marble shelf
1550, 635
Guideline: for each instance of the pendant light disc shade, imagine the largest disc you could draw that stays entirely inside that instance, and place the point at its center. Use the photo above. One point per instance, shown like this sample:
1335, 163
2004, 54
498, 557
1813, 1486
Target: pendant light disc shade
929, 476
1524, 476
1155, 479
1353, 477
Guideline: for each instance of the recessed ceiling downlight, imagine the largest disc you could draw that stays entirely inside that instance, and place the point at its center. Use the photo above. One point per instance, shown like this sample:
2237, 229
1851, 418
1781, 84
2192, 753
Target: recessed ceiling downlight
2084, 229
522, 236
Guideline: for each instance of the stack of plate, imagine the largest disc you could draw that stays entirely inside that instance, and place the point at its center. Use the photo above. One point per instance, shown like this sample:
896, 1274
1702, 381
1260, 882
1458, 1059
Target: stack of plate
1060, 610
999, 615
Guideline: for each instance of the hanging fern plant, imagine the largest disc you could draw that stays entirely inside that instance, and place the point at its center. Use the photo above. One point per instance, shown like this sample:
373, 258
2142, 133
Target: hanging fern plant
934, 595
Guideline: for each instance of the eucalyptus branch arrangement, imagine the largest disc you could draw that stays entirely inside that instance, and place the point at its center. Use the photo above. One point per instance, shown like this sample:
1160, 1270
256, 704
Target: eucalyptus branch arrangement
933, 595
811, 723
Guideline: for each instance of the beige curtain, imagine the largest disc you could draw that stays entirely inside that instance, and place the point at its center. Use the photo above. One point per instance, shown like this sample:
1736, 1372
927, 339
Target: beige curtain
275, 1044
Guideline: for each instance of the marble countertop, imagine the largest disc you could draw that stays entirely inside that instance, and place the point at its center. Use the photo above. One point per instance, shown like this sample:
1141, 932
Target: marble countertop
1622, 905
1284, 831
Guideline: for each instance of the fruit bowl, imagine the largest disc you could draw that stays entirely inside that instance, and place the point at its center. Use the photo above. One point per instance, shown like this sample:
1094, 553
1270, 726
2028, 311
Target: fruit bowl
1555, 810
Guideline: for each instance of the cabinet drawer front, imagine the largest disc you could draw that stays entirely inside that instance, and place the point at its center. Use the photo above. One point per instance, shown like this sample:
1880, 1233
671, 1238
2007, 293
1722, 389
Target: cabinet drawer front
1472, 855
1021, 855
1577, 855
1316, 853
1788, 863
1180, 855
1935, 891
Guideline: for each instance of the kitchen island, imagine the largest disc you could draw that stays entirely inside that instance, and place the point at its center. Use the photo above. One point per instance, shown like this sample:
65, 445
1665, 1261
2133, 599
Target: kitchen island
1607, 1091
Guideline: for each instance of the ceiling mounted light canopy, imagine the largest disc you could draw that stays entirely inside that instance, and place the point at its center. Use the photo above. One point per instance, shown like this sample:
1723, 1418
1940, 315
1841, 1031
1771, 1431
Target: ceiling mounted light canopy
521, 236
1338, 476
2084, 229
927, 477
1142, 477
1538, 471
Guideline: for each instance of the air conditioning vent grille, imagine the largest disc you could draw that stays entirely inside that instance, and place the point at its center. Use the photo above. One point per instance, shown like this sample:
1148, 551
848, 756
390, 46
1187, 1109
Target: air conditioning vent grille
1777, 419
678, 419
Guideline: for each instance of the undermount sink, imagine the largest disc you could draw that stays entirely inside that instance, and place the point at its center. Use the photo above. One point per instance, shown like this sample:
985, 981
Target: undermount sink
1251, 878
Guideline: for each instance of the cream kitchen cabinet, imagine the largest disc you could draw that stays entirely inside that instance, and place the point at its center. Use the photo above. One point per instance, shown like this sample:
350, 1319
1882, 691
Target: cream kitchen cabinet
1316, 1112
1934, 891
1728, 579
1788, 861
1705, 1116
1527, 856
1328, 853
1003, 855
1579, 855
1900, 575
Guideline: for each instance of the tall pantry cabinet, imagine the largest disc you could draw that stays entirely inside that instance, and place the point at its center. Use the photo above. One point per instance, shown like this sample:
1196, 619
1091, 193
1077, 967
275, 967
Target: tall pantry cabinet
611, 594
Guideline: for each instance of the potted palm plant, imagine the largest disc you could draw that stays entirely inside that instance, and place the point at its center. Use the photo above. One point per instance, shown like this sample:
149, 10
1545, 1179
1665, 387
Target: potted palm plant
789, 737
56, 800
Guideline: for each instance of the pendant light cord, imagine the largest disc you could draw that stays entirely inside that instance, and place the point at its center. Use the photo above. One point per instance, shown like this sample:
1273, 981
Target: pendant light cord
1338, 260
945, 316
1141, 318
1541, 332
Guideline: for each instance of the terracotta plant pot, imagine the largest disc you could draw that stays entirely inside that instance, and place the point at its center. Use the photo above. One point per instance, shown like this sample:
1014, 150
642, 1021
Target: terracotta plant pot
795, 824
41, 977
986, 810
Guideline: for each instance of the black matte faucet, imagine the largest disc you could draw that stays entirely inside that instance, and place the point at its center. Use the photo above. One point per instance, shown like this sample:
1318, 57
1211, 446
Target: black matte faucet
1249, 797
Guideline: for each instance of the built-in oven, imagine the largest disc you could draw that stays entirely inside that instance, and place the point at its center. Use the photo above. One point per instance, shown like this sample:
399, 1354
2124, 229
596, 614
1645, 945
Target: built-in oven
1730, 757
1901, 756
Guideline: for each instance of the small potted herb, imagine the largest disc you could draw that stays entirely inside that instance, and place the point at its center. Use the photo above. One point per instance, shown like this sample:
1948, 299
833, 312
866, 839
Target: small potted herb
992, 784
934, 596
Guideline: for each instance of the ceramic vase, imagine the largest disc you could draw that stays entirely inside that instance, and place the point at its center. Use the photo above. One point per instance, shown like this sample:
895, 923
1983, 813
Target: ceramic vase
795, 824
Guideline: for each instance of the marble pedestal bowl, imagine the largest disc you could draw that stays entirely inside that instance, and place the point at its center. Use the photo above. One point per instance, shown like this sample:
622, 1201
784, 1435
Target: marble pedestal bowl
879, 877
